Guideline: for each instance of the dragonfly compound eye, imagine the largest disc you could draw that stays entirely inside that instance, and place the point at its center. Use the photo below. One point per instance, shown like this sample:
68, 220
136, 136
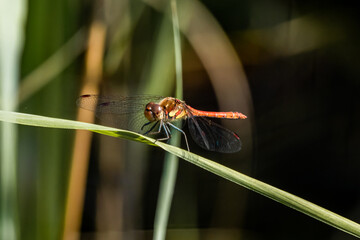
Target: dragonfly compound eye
153, 112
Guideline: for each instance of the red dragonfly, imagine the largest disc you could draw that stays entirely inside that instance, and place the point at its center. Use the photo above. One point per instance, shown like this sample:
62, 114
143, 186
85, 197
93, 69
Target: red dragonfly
144, 113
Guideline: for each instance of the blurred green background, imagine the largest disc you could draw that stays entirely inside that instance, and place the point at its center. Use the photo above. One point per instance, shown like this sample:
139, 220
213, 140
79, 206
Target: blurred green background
291, 66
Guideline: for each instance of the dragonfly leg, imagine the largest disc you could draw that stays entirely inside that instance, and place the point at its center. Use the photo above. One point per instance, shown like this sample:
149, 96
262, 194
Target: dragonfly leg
166, 130
146, 125
186, 141
160, 126
159, 130
150, 128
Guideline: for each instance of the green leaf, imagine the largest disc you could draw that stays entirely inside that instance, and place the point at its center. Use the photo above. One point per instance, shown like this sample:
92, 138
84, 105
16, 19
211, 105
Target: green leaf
267, 190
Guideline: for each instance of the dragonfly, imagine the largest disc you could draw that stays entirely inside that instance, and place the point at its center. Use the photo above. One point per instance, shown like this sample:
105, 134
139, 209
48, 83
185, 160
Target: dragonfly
154, 115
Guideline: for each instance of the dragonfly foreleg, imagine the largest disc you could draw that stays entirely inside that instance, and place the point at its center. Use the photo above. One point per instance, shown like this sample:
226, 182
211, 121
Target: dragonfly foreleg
150, 128
159, 130
142, 128
161, 126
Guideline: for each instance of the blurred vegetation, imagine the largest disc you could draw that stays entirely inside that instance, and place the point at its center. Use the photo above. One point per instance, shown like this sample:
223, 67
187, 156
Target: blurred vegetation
291, 66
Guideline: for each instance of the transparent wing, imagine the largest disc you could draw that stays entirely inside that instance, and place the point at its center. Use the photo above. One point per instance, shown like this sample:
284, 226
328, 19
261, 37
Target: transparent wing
212, 136
122, 112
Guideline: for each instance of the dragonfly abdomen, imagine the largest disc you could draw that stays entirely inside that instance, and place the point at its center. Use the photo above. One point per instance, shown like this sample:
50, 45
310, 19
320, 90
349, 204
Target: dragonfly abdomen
228, 115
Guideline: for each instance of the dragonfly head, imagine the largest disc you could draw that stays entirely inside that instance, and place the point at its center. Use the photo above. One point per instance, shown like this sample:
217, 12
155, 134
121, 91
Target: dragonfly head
153, 112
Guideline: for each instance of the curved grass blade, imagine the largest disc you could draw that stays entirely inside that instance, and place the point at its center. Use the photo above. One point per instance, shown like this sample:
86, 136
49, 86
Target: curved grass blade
41, 121
267, 190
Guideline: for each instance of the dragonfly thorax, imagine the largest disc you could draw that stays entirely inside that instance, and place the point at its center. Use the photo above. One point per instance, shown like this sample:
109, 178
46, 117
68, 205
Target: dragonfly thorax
174, 109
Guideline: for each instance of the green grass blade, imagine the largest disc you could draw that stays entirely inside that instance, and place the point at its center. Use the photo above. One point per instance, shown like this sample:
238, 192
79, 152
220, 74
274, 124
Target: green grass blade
40, 121
267, 190
168, 178
167, 186
12, 17
177, 47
